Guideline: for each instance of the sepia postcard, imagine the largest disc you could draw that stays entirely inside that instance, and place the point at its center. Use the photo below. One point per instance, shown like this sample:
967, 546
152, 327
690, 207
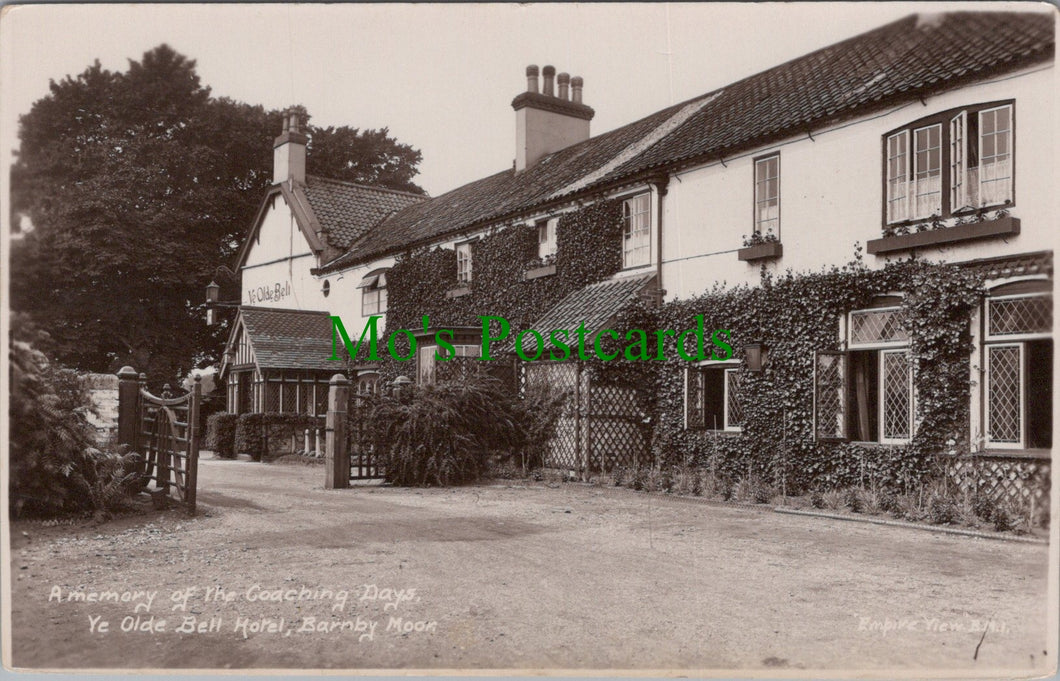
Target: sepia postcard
522, 339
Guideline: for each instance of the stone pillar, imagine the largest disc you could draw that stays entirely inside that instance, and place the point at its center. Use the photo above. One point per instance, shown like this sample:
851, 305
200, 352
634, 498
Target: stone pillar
337, 457
128, 406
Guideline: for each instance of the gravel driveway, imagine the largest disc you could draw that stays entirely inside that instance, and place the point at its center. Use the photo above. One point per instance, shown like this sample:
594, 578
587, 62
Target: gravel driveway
277, 572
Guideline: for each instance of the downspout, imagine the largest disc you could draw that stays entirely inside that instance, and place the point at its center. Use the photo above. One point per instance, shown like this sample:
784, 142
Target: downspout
661, 189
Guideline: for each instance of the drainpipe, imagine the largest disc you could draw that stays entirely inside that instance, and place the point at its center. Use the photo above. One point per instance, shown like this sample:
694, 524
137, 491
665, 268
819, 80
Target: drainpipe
661, 188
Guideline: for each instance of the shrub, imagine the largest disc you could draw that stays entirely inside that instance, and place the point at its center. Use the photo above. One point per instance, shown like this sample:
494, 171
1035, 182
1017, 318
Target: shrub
697, 483
869, 501
54, 464
853, 500
816, 499
444, 434
941, 509
264, 436
536, 415
833, 499
221, 434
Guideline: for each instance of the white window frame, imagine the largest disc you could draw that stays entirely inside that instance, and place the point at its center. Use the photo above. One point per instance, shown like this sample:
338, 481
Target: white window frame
1034, 335
987, 374
882, 347
546, 247
904, 184
725, 366
914, 195
632, 255
872, 345
959, 198
464, 262
1011, 153
881, 402
759, 199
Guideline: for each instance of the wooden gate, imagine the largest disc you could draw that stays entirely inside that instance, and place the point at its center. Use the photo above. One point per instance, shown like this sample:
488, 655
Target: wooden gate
365, 460
165, 432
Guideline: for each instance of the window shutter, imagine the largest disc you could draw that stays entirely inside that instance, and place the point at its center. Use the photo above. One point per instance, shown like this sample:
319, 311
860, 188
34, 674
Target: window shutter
829, 395
694, 415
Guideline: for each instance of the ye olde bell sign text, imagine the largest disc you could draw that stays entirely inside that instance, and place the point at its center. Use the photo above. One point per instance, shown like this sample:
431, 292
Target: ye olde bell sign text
268, 293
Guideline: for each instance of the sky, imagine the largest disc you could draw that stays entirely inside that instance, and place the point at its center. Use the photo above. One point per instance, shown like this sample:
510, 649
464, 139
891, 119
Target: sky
440, 77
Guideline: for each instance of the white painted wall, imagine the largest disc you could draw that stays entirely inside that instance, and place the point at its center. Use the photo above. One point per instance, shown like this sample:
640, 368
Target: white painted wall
277, 269
831, 193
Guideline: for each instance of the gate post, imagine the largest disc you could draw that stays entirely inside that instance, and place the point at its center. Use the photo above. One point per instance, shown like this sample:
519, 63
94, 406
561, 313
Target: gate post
337, 462
191, 478
128, 401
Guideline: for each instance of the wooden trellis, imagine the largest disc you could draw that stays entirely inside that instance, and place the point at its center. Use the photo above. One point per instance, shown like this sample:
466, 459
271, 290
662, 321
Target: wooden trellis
600, 426
1001, 478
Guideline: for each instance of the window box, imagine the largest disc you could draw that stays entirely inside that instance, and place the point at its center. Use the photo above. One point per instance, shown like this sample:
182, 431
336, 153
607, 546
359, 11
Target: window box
763, 251
458, 292
538, 272
1005, 226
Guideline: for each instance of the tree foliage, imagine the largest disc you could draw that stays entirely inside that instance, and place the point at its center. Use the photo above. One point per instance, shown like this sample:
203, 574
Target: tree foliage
139, 184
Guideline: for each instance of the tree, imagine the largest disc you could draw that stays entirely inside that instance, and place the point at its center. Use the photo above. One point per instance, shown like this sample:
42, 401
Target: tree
138, 185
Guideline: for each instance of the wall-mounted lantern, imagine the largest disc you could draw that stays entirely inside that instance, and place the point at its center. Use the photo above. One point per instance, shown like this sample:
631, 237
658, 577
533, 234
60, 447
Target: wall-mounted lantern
213, 292
755, 355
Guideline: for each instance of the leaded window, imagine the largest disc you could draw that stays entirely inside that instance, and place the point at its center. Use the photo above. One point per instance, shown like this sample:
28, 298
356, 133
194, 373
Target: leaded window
713, 397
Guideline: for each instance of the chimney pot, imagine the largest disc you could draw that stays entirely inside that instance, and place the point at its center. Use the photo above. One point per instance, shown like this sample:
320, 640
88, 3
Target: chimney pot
576, 88
549, 72
289, 149
531, 78
563, 79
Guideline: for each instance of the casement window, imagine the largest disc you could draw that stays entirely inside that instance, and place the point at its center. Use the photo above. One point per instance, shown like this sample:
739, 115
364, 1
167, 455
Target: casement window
974, 145
636, 231
373, 293
866, 393
767, 195
546, 238
712, 397
1018, 366
463, 262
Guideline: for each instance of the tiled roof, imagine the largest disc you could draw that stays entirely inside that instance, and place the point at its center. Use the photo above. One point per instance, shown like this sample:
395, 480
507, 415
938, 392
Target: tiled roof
912, 56
896, 63
595, 305
346, 211
499, 194
288, 339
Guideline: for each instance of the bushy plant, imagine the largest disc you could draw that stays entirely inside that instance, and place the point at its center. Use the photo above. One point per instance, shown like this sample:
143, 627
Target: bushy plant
853, 500
445, 434
941, 509
833, 499
221, 434
262, 435
537, 414
697, 483
54, 464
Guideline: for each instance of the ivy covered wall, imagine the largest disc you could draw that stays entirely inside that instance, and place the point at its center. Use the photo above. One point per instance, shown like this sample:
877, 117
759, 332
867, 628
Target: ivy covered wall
588, 250
797, 315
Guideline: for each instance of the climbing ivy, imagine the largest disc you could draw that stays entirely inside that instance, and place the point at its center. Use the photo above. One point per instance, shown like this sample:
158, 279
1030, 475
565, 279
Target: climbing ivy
797, 315
588, 249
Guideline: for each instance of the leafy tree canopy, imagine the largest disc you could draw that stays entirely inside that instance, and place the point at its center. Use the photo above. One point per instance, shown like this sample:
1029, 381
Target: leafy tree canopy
138, 184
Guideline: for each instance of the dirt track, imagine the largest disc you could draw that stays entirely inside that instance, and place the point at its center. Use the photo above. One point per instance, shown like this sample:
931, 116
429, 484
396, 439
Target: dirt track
520, 578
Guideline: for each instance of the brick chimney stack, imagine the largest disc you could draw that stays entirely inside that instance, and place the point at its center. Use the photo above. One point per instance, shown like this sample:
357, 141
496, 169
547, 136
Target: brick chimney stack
545, 121
289, 148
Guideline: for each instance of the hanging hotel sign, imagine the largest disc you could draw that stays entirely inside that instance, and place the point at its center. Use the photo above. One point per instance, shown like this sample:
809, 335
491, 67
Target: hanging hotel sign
268, 293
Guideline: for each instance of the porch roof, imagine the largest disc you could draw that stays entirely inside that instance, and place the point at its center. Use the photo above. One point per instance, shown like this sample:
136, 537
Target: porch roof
289, 339
596, 305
